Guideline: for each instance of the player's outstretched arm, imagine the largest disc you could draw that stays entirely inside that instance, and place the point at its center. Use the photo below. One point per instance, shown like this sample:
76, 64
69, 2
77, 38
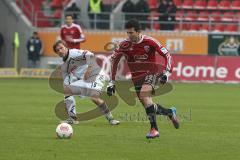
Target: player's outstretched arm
115, 58
163, 76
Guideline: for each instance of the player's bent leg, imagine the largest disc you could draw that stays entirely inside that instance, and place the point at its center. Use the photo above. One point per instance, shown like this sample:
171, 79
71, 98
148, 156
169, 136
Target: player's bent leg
174, 118
81, 88
105, 110
67, 90
146, 99
97, 100
70, 104
145, 93
170, 112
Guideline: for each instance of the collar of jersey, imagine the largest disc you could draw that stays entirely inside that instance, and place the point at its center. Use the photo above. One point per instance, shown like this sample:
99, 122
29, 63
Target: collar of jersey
141, 39
65, 58
69, 26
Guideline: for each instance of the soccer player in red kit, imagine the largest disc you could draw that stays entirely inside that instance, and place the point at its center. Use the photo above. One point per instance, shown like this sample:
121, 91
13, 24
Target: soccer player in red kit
139, 51
72, 33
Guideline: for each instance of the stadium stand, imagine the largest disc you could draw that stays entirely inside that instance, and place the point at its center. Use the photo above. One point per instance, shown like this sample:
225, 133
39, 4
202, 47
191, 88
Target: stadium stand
40, 19
153, 4
228, 16
179, 15
219, 28
189, 14
224, 5
203, 16
218, 13
200, 4
212, 4
215, 16
57, 13
205, 28
232, 28
194, 27
178, 3
187, 4
235, 5
57, 4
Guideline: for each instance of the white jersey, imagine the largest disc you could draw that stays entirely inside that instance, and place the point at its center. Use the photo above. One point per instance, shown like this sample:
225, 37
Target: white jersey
74, 67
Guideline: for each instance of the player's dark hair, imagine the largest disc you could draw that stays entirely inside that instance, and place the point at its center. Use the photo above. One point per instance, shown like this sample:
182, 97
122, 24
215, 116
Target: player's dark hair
68, 15
56, 44
133, 23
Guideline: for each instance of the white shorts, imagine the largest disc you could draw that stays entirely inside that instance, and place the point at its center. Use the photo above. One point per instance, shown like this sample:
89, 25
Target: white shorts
86, 88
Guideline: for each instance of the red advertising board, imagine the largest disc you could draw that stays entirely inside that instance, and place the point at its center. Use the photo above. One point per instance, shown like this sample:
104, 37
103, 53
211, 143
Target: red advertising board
193, 68
206, 68
232, 67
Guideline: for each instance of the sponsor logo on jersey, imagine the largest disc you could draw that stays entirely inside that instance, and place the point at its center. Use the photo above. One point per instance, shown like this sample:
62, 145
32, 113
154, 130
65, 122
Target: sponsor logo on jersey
141, 57
164, 50
124, 46
146, 48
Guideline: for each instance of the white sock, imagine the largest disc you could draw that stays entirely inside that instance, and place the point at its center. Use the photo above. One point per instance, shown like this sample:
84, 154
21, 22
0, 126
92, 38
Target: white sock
109, 116
104, 109
70, 104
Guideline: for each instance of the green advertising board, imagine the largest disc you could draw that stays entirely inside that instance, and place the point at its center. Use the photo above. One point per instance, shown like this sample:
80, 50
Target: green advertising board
224, 44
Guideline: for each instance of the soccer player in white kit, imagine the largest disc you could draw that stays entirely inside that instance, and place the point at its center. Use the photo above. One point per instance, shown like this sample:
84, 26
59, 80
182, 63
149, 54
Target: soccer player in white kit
81, 76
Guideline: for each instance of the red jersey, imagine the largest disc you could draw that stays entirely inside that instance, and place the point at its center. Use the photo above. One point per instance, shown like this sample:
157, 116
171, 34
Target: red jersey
73, 32
141, 57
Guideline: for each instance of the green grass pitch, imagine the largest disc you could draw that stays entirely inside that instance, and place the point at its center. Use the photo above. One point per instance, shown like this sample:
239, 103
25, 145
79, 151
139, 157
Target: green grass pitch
210, 131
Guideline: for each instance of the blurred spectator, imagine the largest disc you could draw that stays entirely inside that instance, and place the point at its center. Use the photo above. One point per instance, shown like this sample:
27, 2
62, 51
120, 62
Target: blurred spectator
94, 12
71, 33
110, 4
163, 17
230, 47
171, 12
104, 17
34, 48
129, 9
46, 8
74, 10
1, 42
143, 10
